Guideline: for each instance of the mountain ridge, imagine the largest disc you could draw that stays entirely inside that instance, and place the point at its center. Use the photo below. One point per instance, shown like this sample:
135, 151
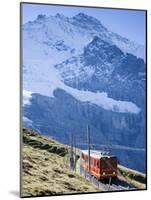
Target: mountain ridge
68, 25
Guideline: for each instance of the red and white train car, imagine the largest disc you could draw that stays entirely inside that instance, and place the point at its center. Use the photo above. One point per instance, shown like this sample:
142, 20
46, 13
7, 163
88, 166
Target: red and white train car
102, 164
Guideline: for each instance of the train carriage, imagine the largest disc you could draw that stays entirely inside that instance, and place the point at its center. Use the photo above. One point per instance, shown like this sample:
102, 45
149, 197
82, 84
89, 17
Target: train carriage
102, 164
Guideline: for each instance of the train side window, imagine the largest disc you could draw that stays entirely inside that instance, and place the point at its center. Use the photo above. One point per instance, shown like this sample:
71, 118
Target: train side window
97, 163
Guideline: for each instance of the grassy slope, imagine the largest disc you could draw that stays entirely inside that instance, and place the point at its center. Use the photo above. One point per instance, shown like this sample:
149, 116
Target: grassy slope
44, 171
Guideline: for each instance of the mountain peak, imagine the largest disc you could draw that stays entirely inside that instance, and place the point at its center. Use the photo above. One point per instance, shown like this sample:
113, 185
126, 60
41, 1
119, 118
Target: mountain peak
98, 42
60, 16
98, 50
82, 15
84, 18
41, 17
98, 39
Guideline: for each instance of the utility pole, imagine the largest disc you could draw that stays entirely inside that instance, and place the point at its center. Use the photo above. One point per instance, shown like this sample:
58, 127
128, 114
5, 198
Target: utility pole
88, 139
110, 180
75, 157
71, 153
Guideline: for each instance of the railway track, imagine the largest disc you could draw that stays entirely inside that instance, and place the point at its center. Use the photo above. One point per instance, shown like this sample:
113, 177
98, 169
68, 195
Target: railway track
111, 185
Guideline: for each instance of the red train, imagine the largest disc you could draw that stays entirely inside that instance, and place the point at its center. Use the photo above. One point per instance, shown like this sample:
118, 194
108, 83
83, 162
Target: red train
102, 164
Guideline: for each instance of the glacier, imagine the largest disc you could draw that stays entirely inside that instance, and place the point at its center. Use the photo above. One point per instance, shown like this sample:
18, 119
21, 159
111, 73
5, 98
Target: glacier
26, 97
46, 81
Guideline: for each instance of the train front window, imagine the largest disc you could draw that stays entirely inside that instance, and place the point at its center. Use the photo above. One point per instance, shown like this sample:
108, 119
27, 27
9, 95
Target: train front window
108, 163
114, 162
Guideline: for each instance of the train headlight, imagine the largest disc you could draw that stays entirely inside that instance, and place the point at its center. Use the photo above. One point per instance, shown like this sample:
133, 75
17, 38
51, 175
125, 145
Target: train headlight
103, 173
114, 173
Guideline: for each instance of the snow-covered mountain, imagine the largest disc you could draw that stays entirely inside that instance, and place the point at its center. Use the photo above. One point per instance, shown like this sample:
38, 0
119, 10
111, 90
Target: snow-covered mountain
76, 71
72, 34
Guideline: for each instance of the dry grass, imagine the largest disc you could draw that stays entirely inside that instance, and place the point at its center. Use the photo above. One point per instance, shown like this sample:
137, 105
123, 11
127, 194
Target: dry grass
44, 171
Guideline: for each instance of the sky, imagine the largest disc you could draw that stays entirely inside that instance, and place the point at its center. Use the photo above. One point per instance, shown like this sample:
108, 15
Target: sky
127, 23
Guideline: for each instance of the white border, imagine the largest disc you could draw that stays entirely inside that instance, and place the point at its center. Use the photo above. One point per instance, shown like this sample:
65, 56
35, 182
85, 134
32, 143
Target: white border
9, 99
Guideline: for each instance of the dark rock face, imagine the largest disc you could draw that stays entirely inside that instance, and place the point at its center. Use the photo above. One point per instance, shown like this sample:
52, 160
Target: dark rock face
99, 52
63, 115
114, 72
